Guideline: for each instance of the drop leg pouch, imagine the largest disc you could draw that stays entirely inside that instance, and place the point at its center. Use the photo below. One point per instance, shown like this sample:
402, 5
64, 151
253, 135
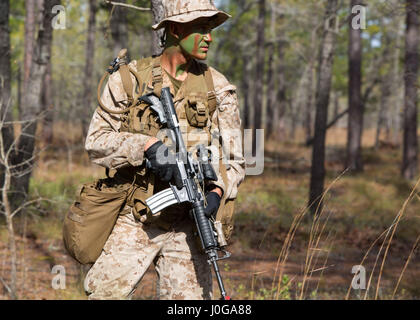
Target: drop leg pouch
91, 218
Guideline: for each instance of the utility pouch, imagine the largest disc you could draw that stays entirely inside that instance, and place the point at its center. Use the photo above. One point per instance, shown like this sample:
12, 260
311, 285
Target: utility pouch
196, 109
226, 217
91, 218
141, 119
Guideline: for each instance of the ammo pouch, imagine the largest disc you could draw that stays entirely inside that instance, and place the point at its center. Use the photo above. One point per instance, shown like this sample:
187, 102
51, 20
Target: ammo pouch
142, 119
92, 217
196, 109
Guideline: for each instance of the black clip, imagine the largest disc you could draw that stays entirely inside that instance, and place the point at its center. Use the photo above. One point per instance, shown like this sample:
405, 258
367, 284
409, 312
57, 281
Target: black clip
114, 66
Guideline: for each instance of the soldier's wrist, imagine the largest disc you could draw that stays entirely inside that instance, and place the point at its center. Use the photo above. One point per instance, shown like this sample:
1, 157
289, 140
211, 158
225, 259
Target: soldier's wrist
217, 190
150, 142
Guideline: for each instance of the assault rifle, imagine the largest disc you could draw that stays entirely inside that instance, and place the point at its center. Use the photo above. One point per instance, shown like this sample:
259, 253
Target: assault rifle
193, 173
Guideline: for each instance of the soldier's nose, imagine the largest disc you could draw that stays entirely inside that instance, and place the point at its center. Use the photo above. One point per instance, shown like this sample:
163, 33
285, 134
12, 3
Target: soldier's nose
208, 37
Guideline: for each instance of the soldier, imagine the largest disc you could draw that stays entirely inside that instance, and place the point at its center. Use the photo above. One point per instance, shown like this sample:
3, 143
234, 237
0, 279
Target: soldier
207, 108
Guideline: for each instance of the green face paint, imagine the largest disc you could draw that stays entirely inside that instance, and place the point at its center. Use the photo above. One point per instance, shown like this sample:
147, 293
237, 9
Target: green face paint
196, 42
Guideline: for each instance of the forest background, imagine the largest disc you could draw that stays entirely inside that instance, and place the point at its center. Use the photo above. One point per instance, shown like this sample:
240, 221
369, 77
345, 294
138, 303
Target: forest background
335, 213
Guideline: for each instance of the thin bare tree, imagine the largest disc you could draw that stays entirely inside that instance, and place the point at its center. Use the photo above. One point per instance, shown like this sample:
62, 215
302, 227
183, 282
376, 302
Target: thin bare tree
245, 92
271, 80
31, 102
89, 64
259, 72
5, 76
13, 170
410, 144
30, 27
356, 107
47, 106
326, 58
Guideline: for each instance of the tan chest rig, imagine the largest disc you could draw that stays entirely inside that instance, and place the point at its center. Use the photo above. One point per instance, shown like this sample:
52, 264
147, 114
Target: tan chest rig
195, 103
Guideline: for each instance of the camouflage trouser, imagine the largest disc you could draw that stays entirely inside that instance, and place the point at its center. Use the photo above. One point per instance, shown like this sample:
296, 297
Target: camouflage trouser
183, 271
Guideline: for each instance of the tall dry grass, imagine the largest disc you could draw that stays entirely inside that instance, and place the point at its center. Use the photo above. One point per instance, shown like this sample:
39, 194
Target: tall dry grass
317, 230
388, 235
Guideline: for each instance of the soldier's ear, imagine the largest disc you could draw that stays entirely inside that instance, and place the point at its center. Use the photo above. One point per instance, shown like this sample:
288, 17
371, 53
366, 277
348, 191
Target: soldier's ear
174, 30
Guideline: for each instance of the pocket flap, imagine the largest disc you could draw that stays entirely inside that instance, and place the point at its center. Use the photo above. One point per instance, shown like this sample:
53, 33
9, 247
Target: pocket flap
76, 214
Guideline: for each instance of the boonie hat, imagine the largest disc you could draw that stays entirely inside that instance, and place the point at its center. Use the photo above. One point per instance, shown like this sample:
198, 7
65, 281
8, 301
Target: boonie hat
183, 11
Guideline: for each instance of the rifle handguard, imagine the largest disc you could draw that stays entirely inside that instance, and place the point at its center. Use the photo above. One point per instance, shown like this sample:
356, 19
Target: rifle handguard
204, 228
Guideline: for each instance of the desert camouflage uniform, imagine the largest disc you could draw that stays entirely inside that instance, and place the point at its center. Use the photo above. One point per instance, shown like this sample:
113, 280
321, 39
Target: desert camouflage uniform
182, 269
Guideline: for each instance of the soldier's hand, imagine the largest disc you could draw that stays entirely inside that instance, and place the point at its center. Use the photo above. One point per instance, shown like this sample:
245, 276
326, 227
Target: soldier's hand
163, 163
213, 204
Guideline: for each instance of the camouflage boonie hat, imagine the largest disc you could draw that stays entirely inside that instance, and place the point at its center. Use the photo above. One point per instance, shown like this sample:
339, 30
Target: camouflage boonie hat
183, 11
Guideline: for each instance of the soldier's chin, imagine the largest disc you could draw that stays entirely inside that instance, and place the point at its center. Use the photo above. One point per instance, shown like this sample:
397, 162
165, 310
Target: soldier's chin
200, 56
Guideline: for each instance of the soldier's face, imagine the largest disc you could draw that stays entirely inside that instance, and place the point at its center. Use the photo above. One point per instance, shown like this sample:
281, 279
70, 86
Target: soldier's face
195, 39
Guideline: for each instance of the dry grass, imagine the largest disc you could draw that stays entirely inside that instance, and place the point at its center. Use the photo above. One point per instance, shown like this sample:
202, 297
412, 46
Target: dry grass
377, 193
410, 256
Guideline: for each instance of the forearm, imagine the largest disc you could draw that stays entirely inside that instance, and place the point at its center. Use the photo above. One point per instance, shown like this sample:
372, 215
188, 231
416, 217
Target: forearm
112, 149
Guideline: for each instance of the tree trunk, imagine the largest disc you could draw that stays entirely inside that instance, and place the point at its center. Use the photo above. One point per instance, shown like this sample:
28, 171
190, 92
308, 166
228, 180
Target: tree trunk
281, 99
11, 233
381, 112
89, 62
410, 148
397, 96
385, 90
5, 81
309, 99
259, 74
46, 95
308, 121
295, 109
31, 104
47, 107
270, 93
119, 28
19, 88
246, 114
30, 27
271, 90
7, 137
336, 104
355, 118
157, 10
326, 58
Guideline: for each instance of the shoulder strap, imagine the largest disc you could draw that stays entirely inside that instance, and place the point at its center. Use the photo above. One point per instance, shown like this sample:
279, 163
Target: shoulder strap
157, 79
120, 64
211, 94
126, 81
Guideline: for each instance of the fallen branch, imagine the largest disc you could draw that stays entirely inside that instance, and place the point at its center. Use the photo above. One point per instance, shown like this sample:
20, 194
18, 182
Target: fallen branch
127, 5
